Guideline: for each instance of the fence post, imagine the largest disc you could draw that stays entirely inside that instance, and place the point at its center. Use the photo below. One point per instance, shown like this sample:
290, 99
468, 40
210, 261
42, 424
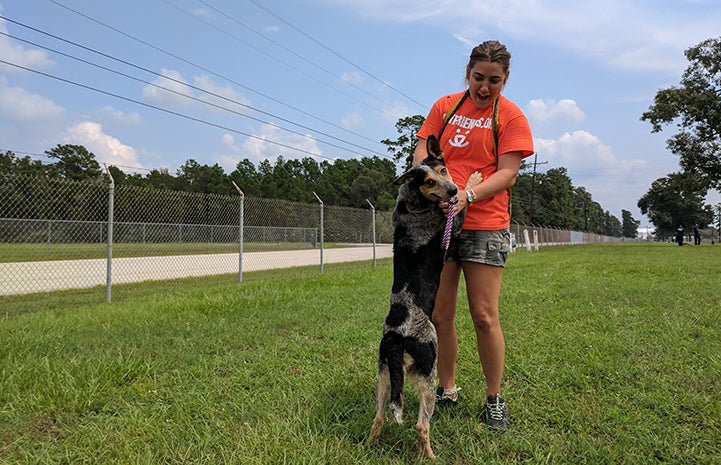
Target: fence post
321, 231
240, 234
109, 266
527, 240
373, 223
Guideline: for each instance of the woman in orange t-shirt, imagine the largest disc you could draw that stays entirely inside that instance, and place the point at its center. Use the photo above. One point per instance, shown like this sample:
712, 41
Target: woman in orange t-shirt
481, 249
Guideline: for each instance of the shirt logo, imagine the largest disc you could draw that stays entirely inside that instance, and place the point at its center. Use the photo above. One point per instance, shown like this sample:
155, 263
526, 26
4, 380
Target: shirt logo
459, 140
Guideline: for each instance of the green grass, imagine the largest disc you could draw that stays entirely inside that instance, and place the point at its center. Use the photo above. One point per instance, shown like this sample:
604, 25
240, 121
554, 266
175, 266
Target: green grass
612, 357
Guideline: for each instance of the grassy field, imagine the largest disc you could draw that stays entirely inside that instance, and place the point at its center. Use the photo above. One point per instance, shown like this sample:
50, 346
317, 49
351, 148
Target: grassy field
613, 357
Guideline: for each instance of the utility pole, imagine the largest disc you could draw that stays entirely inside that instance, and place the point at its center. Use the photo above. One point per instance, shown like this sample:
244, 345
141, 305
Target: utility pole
533, 183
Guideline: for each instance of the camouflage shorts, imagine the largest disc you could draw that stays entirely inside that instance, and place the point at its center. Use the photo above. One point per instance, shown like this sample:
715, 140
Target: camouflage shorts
487, 247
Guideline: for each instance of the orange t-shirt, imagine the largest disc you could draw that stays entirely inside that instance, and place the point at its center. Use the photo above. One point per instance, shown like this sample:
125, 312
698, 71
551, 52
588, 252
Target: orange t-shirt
467, 143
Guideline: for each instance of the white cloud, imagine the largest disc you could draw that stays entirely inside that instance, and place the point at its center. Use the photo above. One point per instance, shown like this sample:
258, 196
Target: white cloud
229, 162
352, 77
622, 34
181, 94
107, 149
352, 121
115, 117
21, 107
585, 154
229, 141
548, 110
398, 110
176, 83
258, 149
593, 165
12, 52
227, 95
202, 13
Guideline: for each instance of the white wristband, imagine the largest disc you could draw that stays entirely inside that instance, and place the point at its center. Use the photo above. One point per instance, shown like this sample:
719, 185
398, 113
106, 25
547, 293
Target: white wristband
471, 196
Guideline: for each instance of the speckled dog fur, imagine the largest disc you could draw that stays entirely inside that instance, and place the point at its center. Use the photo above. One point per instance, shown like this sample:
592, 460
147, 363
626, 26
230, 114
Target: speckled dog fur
409, 344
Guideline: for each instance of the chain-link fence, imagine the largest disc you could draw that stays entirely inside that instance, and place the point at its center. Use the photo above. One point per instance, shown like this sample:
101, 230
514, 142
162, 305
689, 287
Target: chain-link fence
61, 234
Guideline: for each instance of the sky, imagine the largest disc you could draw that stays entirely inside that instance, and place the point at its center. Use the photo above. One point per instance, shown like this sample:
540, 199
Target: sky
150, 84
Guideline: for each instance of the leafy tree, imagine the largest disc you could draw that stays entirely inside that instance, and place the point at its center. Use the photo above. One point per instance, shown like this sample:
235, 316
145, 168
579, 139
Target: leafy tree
588, 214
246, 177
9, 162
521, 195
402, 148
74, 162
161, 179
630, 225
292, 179
118, 175
194, 177
553, 199
676, 199
611, 225
696, 107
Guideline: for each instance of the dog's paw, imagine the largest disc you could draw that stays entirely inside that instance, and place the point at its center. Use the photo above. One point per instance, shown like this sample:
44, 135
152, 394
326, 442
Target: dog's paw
474, 179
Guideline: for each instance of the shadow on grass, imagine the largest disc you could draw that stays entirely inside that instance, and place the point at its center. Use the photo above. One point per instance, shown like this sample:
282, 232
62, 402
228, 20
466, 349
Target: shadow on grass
345, 411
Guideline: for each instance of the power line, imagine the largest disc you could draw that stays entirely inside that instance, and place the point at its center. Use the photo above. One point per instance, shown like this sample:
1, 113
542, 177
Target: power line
277, 44
182, 83
165, 110
308, 36
285, 64
188, 62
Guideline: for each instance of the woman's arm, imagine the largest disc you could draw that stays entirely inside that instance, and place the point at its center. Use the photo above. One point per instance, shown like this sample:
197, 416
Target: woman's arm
421, 152
504, 177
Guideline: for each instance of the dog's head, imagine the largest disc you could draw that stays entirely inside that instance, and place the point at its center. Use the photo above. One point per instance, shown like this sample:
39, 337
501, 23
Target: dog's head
430, 177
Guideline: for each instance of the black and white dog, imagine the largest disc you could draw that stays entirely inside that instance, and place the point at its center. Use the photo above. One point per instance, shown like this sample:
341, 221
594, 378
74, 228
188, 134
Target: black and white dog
409, 344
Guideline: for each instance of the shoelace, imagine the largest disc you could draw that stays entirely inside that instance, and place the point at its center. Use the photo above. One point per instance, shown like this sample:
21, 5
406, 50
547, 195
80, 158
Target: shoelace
496, 409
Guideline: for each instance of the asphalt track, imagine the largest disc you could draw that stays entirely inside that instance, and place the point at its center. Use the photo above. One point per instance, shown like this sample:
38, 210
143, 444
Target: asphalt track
31, 277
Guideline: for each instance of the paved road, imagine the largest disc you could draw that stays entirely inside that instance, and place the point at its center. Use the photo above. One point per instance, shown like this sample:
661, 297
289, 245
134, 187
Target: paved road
30, 277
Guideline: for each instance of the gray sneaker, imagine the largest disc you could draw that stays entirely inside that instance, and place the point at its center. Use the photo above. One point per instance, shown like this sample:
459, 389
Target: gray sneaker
495, 413
444, 400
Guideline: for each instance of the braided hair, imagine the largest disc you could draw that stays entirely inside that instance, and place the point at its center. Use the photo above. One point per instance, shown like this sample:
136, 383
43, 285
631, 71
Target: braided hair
493, 51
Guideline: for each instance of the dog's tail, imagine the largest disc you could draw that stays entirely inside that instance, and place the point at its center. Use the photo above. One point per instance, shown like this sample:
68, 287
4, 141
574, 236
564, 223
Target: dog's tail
392, 351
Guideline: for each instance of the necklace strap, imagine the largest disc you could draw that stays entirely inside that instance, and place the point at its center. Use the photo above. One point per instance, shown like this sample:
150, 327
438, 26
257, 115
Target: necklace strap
453, 112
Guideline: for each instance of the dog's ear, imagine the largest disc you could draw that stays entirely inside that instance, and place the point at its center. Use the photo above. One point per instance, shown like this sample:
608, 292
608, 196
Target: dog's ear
433, 147
404, 178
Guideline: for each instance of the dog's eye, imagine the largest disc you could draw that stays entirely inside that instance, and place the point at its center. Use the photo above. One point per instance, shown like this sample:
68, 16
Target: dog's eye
431, 182
444, 171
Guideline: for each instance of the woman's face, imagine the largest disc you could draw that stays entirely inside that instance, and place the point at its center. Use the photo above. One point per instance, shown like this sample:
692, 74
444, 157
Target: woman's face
485, 82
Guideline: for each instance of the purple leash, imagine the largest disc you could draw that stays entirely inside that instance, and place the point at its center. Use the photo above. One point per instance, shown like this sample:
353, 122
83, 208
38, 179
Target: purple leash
449, 224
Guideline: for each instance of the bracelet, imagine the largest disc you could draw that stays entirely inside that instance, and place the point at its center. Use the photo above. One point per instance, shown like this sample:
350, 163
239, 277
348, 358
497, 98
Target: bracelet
471, 196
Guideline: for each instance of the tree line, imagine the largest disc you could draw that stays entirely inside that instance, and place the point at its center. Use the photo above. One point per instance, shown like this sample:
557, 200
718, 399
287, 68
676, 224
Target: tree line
547, 199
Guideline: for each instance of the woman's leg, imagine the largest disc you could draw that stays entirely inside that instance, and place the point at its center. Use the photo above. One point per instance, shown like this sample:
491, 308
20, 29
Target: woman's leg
483, 284
444, 312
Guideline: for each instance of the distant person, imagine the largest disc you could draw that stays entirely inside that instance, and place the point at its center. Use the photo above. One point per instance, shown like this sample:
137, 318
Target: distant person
679, 234
696, 235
